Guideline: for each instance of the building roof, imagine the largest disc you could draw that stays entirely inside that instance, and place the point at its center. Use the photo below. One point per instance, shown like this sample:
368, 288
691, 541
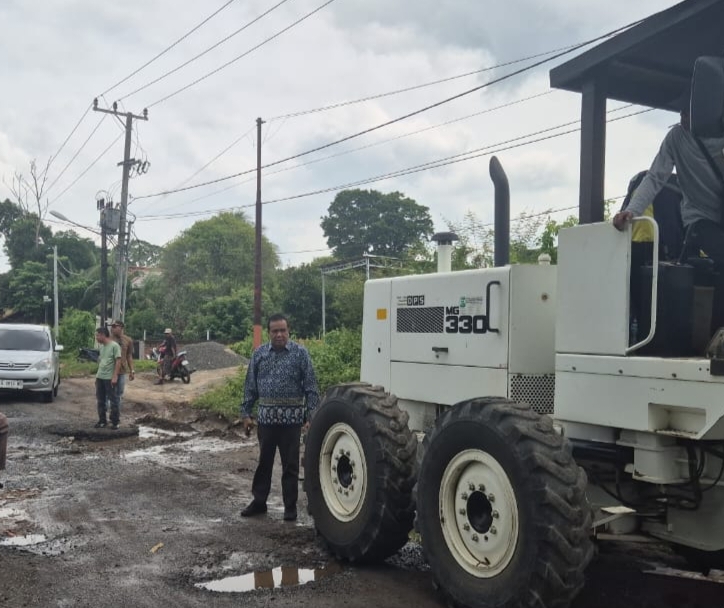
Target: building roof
652, 62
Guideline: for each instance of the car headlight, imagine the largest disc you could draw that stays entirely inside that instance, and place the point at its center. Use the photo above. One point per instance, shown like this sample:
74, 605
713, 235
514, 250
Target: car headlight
42, 365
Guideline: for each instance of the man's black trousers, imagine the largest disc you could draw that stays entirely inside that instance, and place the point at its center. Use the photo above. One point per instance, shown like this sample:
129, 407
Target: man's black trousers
286, 438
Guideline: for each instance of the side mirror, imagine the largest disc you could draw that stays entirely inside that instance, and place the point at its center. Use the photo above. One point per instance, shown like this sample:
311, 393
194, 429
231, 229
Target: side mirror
58, 347
707, 97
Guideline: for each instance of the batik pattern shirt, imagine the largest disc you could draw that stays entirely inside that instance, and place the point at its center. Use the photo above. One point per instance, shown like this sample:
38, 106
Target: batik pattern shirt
282, 383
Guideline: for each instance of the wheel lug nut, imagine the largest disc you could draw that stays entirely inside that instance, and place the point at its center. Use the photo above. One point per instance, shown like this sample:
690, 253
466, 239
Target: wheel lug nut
339, 490
475, 537
464, 495
351, 488
471, 487
462, 511
496, 515
491, 497
354, 476
466, 527
346, 493
334, 481
334, 467
481, 487
341, 451
493, 530
346, 454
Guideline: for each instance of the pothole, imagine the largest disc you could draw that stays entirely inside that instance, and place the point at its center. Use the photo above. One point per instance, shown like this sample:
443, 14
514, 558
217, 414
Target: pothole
282, 576
23, 541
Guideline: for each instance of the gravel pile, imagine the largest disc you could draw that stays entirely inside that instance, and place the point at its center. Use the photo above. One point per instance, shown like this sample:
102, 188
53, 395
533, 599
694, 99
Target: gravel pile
211, 355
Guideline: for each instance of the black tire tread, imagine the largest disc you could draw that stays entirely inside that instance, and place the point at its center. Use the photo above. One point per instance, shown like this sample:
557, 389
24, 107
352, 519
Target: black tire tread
564, 529
388, 526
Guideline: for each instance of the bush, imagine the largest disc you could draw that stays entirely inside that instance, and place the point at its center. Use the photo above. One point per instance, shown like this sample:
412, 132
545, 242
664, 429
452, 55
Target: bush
336, 359
77, 330
225, 399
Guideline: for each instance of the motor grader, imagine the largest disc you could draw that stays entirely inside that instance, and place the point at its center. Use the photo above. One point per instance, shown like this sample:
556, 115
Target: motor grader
548, 416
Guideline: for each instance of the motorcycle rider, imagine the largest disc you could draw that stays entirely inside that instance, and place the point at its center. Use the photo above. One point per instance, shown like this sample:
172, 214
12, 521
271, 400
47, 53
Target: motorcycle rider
169, 354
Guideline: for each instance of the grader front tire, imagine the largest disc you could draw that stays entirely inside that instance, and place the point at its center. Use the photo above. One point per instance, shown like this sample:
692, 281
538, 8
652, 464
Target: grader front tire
359, 470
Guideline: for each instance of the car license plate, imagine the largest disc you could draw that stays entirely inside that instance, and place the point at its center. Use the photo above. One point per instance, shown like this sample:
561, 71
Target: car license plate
11, 384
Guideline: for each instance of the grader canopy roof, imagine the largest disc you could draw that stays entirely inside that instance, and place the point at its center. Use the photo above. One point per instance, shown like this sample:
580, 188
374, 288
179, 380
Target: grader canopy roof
649, 64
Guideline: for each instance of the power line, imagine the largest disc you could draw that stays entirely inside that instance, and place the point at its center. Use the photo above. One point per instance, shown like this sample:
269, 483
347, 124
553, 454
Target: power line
65, 141
168, 48
70, 162
88, 168
398, 119
204, 52
449, 160
244, 54
414, 87
372, 145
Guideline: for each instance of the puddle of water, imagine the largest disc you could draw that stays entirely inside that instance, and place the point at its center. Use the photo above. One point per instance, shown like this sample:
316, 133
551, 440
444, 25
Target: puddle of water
283, 576
10, 513
152, 432
22, 541
178, 453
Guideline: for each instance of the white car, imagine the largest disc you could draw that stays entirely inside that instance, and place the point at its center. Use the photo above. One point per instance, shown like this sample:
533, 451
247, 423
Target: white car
29, 360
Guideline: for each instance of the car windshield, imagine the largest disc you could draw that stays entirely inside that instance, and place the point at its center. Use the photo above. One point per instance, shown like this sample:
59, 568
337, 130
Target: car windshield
23, 339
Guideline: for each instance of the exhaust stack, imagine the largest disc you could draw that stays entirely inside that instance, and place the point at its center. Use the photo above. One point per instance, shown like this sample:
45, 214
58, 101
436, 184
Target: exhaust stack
502, 212
444, 242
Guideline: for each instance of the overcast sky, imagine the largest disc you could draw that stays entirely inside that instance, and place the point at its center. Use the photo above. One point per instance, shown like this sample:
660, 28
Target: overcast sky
57, 55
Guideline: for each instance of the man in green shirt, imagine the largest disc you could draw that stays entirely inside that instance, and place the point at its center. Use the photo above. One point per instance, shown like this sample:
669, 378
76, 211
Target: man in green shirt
109, 366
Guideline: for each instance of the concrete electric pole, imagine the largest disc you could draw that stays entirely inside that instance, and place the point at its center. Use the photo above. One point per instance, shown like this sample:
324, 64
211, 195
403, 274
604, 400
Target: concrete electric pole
121, 265
257, 241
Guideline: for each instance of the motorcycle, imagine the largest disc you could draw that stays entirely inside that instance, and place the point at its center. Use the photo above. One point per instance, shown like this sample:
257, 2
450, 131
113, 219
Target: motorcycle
180, 366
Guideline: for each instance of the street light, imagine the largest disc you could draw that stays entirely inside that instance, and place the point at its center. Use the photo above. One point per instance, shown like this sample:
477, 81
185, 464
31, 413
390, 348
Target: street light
61, 217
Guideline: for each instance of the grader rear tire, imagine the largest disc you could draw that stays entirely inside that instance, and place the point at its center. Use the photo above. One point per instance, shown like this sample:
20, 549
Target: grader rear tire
359, 471
502, 508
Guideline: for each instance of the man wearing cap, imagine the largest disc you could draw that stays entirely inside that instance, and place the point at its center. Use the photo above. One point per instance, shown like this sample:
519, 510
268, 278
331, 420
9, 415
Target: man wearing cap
127, 369
169, 352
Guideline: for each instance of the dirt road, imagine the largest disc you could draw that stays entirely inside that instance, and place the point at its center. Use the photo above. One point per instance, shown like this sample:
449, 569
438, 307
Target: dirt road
148, 516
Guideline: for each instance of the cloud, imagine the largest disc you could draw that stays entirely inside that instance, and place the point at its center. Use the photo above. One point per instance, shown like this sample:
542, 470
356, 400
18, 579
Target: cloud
56, 60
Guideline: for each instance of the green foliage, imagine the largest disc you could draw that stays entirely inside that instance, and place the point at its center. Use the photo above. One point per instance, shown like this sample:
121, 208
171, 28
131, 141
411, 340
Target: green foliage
142, 253
26, 241
336, 359
226, 399
146, 319
226, 317
27, 286
300, 297
77, 330
347, 300
367, 221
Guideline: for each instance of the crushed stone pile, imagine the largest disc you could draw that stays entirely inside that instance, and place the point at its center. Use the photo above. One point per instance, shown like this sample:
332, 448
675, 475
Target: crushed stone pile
212, 355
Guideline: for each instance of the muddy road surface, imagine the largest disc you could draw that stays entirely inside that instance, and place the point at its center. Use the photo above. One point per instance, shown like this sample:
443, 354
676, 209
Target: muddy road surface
148, 516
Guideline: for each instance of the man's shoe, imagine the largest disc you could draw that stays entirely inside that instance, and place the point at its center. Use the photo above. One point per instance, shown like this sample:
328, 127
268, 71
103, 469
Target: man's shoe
254, 508
114, 427
290, 514
99, 425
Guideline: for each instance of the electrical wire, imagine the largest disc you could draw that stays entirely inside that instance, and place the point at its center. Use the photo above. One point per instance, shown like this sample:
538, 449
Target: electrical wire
88, 168
168, 48
70, 162
487, 150
204, 52
244, 54
342, 104
357, 149
67, 139
399, 118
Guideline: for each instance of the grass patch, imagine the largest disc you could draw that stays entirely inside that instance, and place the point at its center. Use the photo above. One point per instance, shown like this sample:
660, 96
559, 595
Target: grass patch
224, 399
70, 367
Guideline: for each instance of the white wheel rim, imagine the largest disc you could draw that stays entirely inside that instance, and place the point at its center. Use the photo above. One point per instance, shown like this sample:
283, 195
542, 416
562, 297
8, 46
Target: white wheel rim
478, 513
343, 472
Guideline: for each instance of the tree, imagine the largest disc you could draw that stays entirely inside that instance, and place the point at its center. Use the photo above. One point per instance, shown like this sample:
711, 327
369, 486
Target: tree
27, 286
142, 253
29, 193
219, 252
24, 241
367, 221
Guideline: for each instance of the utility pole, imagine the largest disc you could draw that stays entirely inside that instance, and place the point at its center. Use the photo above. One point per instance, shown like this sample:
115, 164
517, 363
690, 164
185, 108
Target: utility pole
55, 291
121, 266
105, 209
257, 241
